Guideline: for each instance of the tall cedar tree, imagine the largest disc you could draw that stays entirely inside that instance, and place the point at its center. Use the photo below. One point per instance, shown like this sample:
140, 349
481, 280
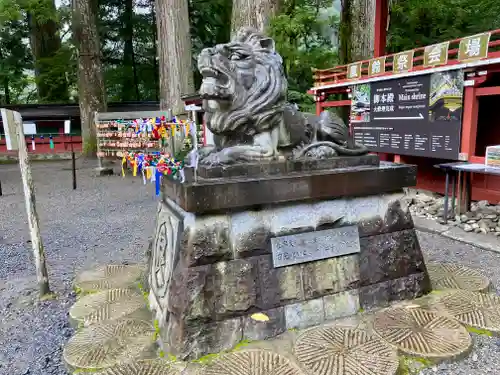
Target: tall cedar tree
174, 53
92, 93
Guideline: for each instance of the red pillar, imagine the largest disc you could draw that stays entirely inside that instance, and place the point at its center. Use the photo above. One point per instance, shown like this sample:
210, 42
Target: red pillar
319, 109
469, 122
381, 10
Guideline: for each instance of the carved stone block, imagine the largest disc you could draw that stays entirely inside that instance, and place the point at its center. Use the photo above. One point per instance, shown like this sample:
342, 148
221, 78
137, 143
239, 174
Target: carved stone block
209, 273
390, 256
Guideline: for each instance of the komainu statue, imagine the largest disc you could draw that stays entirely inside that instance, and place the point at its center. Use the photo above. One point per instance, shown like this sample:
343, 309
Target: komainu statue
244, 97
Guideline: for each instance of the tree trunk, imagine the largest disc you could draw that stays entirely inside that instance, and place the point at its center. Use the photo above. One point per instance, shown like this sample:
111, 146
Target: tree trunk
155, 49
130, 89
91, 91
254, 13
174, 52
45, 43
363, 29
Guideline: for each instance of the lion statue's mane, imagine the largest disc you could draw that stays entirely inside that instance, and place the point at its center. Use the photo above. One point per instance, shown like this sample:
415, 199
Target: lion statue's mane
258, 85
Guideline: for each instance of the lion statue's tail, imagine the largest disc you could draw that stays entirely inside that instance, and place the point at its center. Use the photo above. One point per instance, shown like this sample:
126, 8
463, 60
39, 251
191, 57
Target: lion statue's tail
332, 132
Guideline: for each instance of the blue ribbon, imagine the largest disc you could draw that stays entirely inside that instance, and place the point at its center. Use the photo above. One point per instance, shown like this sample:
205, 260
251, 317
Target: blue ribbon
158, 182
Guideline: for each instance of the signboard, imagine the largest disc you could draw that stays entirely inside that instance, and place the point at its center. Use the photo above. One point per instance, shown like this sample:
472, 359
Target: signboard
317, 245
192, 107
418, 116
29, 128
354, 71
474, 47
436, 55
376, 66
402, 62
67, 126
492, 156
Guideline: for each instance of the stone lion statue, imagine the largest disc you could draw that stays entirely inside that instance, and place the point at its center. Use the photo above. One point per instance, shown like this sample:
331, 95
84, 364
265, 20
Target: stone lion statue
244, 97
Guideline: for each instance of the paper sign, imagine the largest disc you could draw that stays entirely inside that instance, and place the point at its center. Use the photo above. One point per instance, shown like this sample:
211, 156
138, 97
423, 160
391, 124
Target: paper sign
29, 128
67, 126
9, 126
192, 107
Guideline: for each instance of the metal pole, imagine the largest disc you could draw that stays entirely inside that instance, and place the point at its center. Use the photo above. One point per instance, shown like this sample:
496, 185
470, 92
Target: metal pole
73, 163
1, 189
446, 188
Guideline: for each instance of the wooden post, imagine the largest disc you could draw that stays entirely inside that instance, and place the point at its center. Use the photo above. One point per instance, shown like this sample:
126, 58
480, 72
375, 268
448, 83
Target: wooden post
73, 164
15, 119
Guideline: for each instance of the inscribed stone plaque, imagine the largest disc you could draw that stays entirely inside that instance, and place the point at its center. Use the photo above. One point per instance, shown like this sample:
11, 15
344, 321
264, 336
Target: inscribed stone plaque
311, 246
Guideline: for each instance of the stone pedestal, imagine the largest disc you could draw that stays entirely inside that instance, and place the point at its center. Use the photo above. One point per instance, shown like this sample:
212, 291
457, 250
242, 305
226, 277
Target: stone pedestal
211, 264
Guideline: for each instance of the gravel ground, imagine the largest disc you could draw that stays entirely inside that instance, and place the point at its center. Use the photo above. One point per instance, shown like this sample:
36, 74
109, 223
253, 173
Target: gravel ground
105, 220
109, 220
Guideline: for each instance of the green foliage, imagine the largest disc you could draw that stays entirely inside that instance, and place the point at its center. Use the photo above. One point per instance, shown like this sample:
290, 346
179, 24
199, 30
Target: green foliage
299, 35
416, 23
210, 22
48, 67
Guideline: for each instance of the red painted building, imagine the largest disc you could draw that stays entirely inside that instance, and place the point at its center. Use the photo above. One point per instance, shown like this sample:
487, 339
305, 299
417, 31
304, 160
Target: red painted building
480, 122
50, 118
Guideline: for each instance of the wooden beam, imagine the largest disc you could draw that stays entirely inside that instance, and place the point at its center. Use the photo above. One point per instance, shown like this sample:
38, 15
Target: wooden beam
336, 103
487, 91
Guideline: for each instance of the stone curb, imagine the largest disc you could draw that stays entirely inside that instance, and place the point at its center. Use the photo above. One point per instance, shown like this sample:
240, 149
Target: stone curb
13, 158
486, 242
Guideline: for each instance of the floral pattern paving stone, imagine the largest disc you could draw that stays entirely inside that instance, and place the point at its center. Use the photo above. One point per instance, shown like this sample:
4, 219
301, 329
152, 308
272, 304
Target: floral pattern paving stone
422, 333
106, 305
144, 367
344, 351
252, 362
109, 277
107, 344
479, 310
454, 276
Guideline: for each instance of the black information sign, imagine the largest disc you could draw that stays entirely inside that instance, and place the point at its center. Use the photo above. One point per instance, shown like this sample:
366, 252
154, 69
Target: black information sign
419, 116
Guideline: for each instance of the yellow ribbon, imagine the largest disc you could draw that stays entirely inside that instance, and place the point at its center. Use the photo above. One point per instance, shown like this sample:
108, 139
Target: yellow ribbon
124, 161
148, 173
134, 169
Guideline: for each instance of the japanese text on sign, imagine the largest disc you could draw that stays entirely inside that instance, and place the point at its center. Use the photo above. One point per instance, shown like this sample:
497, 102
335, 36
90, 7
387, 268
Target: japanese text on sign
436, 54
474, 47
376, 66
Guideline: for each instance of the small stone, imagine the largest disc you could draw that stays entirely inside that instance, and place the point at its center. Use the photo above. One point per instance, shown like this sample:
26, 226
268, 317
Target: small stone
483, 204
458, 219
464, 218
482, 230
490, 216
474, 357
471, 221
424, 198
468, 228
497, 229
475, 225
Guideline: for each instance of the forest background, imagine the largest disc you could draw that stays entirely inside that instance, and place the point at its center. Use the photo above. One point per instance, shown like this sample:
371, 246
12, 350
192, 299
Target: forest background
98, 51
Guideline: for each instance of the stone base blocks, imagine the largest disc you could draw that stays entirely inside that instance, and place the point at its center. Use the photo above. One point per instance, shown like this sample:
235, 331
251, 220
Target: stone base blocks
210, 271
